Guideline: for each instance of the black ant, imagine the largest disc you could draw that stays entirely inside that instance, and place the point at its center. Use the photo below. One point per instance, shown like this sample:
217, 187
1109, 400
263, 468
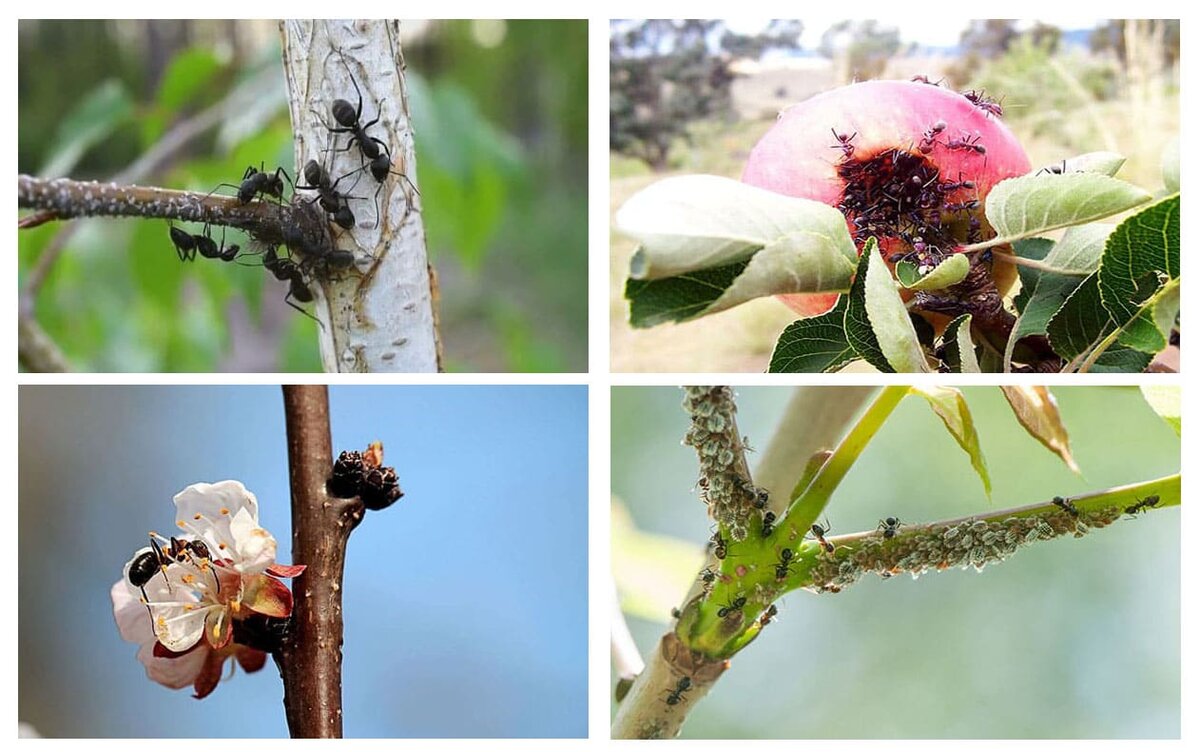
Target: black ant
207, 247
1066, 505
718, 542
286, 270
954, 186
967, 142
1142, 505
981, 100
185, 244
676, 613
735, 605
963, 206
331, 201
149, 563
844, 143
929, 138
925, 80
708, 577
675, 696
783, 568
768, 525
255, 181
1058, 169
761, 498
889, 526
819, 532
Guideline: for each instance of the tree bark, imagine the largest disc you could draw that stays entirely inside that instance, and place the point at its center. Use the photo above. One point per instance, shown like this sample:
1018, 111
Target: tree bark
380, 315
310, 660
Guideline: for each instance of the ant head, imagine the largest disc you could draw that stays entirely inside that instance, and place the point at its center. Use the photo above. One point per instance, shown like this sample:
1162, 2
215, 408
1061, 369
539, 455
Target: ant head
381, 166
313, 172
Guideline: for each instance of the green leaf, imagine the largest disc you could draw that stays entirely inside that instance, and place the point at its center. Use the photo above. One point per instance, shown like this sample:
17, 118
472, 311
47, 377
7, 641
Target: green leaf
1150, 329
1037, 411
1141, 255
89, 122
877, 323
1164, 400
1170, 166
651, 571
1100, 162
950, 272
186, 77
950, 405
1032, 204
814, 345
1081, 323
1030, 248
1044, 293
695, 222
653, 302
959, 350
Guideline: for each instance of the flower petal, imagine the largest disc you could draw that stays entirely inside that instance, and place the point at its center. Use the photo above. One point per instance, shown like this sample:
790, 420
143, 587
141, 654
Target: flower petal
209, 675
174, 672
206, 510
249, 659
267, 596
254, 547
133, 620
286, 570
218, 627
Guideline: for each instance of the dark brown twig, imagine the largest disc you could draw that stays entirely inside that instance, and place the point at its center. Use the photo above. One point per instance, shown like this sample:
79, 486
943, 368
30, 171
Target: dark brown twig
310, 660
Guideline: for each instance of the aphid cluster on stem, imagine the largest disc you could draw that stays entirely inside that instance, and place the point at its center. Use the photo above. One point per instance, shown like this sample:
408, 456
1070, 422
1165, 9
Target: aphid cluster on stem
729, 494
974, 543
362, 474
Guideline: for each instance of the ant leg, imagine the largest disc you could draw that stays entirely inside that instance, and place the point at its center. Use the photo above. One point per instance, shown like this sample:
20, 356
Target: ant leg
358, 110
288, 299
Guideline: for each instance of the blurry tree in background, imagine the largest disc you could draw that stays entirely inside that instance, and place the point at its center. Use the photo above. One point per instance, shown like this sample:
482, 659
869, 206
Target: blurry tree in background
499, 109
668, 74
859, 49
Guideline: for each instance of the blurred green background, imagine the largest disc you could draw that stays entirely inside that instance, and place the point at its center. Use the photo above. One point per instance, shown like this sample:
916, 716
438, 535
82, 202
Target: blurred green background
500, 115
695, 96
1068, 639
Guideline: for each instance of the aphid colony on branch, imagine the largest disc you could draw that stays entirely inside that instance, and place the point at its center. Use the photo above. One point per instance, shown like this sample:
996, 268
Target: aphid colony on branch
304, 261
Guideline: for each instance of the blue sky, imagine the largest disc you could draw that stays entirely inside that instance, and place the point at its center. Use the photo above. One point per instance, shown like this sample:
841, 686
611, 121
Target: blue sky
466, 602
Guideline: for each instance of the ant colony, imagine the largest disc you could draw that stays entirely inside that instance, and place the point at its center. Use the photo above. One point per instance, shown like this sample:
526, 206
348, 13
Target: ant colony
303, 260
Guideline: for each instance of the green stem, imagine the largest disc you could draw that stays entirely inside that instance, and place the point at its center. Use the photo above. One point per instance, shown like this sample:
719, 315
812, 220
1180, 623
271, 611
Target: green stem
1039, 265
1112, 337
810, 501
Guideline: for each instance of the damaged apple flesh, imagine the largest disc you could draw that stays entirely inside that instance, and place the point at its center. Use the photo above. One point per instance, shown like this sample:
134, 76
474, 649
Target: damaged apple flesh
907, 163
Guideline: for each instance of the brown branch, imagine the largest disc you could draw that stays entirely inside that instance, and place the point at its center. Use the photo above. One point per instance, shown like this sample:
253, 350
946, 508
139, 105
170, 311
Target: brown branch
299, 225
36, 351
310, 660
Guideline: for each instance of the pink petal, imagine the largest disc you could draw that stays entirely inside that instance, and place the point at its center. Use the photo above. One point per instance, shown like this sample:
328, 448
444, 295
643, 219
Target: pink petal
286, 570
177, 671
209, 676
267, 596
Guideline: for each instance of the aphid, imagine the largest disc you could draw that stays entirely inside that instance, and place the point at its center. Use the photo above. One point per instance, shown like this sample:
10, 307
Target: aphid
819, 532
675, 696
1141, 505
676, 613
783, 568
761, 497
718, 542
1066, 505
733, 606
768, 615
768, 525
844, 143
889, 526
185, 244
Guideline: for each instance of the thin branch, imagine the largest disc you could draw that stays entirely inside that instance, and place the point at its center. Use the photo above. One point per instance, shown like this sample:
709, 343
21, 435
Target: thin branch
36, 350
310, 660
1039, 265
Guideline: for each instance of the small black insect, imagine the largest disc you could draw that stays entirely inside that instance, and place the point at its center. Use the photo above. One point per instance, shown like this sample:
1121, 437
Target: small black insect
255, 182
783, 568
675, 696
1142, 505
768, 525
332, 202
981, 100
676, 613
1058, 169
733, 606
719, 549
1066, 505
819, 532
967, 142
185, 244
889, 526
962, 206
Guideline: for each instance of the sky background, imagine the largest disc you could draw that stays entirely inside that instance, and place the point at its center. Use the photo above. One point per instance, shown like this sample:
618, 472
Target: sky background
465, 602
929, 29
1072, 638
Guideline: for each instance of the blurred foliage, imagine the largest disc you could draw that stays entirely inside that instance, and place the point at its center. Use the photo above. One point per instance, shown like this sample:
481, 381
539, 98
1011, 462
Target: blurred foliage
502, 171
667, 74
862, 48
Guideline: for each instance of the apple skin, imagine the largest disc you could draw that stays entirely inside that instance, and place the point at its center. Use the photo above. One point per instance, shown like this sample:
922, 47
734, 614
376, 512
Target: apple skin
800, 156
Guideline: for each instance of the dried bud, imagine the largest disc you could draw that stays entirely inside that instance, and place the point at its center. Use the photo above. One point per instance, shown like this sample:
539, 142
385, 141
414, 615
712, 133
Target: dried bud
380, 488
347, 477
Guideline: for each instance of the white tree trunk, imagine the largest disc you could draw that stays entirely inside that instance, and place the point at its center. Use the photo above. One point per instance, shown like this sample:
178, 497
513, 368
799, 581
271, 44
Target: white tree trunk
381, 315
